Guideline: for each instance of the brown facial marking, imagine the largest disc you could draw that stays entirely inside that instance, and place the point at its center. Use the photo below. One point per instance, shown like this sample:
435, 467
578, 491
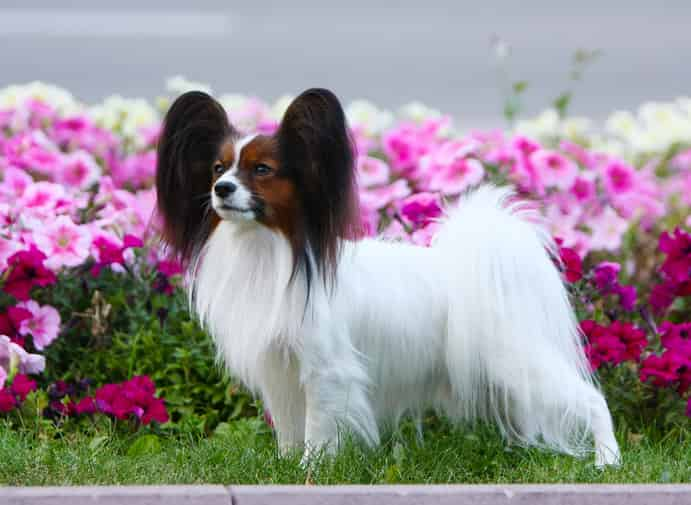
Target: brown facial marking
275, 193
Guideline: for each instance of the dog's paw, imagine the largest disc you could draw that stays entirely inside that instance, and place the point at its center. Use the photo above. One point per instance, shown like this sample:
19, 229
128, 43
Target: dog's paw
606, 457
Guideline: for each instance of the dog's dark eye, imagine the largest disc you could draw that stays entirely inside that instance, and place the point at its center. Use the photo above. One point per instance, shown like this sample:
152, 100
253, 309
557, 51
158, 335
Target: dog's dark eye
219, 168
262, 169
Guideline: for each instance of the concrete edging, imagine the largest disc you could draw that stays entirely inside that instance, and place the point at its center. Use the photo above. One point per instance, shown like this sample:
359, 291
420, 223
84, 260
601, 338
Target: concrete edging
559, 494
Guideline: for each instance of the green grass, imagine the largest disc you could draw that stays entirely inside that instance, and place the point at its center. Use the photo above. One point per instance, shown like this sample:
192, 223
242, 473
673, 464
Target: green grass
245, 453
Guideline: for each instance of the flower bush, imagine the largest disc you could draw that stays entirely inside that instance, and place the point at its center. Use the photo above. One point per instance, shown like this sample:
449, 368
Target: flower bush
91, 311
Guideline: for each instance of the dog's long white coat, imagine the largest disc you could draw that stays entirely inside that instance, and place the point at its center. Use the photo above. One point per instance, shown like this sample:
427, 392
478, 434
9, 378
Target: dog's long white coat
478, 326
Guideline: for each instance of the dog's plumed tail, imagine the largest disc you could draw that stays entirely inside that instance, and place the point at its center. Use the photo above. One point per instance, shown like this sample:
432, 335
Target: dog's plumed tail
514, 352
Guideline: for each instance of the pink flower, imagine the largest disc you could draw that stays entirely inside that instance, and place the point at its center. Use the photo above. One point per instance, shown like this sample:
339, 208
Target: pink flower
79, 170
135, 171
425, 236
372, 171
382, 196
420, 209
553, 169
395, 232
14, 183
3, 377
43, 326
42, 195
108, 250
454, 177
619, 178
64, 243
608, 229
583, 189
7, 248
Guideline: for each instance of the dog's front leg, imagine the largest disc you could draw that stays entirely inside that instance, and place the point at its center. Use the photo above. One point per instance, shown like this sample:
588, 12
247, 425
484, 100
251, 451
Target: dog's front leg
336, 398
284, 396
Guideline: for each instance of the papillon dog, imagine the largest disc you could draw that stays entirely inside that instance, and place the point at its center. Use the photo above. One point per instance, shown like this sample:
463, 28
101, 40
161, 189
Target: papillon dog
343, 335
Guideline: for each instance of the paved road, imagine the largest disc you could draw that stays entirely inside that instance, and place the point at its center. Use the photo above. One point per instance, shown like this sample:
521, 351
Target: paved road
389, 52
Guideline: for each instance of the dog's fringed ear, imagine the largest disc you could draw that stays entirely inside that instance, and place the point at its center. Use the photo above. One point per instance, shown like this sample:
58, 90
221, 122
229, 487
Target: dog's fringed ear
316, 147
193, 130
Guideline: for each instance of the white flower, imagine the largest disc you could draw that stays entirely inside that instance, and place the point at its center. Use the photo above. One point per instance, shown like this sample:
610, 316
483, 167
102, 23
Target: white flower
177, 85
368, 116
418, 111
543, 126
59, 98
280, 106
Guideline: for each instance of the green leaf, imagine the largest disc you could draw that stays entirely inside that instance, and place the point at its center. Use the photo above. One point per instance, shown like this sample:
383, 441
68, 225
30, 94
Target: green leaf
562, 103
97, 442
144, 445
520, 86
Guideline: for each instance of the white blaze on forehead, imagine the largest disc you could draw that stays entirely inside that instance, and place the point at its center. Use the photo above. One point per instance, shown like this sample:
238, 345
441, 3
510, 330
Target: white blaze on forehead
241, 198
239, 146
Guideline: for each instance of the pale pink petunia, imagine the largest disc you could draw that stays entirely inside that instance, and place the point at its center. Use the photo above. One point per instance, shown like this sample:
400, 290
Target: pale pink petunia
371, 171
3, 376
13, 355
65, 243
79, 170
554, 169
42, 195
382, 196
425, 236
14, 182
395, 231
7, 248
562, 222
449, 170
369, 221
43, 326
608, 228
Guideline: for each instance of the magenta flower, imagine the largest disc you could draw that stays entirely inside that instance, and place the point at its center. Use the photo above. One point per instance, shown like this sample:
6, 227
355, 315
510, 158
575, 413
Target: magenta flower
22, 385
7, 400
571, 261
619, 178
108, 250
26, 270
553, 169
64, 243
583, 189
448, 169
677, 247
132, 398
43, 326
420, 209
11, 321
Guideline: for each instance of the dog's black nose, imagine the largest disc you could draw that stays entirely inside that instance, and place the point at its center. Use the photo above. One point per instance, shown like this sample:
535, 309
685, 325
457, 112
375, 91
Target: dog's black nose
224, 188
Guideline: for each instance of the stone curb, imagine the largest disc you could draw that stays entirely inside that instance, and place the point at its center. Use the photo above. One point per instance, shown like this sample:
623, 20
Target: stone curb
568, 494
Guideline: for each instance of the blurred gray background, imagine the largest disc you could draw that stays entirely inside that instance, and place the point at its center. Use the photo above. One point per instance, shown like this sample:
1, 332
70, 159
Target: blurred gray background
438, 52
